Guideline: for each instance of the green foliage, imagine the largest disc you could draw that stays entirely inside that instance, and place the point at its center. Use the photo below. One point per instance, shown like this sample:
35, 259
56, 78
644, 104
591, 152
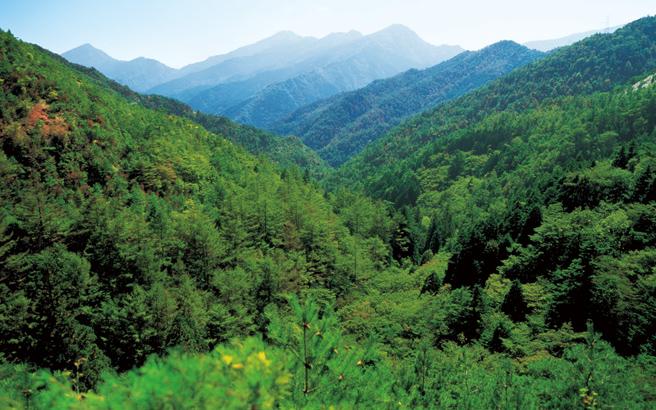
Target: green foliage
598, 63
126, 230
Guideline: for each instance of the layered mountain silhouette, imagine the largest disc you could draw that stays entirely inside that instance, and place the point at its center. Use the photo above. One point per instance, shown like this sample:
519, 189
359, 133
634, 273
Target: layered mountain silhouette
263, 82
261, 89
139, 74
340, 126
599, 63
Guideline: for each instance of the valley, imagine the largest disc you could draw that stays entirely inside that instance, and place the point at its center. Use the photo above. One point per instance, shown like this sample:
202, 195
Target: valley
346, 221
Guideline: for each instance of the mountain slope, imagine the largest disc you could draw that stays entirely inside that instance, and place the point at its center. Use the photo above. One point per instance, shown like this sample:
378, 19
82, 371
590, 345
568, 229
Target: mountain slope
285, 151
597, 63
148, 263
278, 42
341, 126
126, 230
277, 54
139, 74
280, 99
128, 233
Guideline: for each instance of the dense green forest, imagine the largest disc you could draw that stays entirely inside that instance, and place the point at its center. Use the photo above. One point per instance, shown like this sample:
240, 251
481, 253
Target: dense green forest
387, 168
285, 151
504, 255
341, 126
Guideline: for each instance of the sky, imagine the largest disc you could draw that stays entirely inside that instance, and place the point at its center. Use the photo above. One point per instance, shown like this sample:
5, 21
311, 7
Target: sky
185, 31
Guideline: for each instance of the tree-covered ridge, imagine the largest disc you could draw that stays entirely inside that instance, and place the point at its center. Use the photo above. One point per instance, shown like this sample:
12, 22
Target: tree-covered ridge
125, 231
341, 126
285, 151
597, 63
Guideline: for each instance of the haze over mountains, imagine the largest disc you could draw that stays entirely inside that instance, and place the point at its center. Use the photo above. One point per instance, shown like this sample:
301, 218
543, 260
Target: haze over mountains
551, 44
139, 74
286, 71
261, 83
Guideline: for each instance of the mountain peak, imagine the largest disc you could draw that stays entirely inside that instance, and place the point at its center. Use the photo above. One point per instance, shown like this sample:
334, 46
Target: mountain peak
346, 34
396, 30
284, 35
503, 45
86, 47
88, 55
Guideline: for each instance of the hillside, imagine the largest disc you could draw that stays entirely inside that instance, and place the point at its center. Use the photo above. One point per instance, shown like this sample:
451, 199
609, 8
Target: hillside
284, 151
112, 211
388, 167
341, 126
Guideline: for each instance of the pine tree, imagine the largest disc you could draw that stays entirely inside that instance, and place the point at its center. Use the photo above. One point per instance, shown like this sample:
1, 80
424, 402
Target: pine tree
474, 319
431, 284
621, 159
325, 368
433, 239
645, 186
514, 304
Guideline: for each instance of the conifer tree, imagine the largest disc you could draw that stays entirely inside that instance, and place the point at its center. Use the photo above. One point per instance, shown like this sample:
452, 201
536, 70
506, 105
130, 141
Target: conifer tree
514, 304
325, 368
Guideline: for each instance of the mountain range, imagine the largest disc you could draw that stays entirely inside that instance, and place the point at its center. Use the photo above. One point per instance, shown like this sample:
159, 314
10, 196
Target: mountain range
264, 83
340, 126
261, 88
388, 167
260, 83
551, 44
140, 74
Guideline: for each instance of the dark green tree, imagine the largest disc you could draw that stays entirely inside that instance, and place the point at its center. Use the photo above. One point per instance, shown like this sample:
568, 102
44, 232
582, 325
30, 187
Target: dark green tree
514, 304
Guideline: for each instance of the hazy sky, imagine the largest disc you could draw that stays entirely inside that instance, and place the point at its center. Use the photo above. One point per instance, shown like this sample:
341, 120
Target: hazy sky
181, 32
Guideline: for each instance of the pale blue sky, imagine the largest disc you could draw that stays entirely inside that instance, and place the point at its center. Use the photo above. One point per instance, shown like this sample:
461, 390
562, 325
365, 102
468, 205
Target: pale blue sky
181, 32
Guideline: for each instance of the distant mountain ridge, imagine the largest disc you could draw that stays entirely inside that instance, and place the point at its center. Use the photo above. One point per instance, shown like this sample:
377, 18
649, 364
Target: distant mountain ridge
261, 89
140, 74
340, 126
388, 167
260, 83
551, 44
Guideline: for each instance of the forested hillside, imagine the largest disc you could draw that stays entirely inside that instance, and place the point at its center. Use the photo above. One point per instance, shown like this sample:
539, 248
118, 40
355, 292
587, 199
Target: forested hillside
126, 231
598, 63
341, 126
507, 261
285, 151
